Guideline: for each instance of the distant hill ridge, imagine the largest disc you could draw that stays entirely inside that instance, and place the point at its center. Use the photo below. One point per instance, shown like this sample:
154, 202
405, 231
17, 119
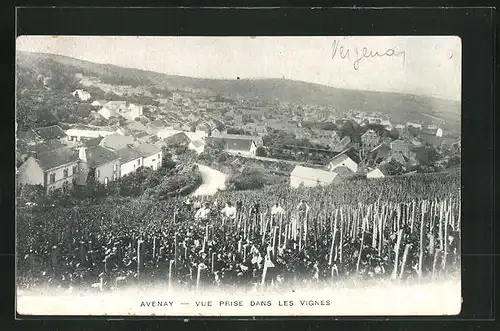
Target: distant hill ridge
398, 106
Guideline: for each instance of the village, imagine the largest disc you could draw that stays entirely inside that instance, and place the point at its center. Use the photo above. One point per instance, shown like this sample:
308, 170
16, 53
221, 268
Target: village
324, 145
131, 177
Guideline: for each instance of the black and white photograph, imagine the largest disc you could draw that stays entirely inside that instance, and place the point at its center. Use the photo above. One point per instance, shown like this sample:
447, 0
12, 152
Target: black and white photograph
238, 176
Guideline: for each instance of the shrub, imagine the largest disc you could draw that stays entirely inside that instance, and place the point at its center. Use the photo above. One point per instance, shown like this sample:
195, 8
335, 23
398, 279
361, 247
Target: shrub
261, 151
249, 179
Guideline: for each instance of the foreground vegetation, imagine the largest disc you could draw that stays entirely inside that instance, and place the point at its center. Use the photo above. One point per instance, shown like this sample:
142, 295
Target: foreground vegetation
389, 228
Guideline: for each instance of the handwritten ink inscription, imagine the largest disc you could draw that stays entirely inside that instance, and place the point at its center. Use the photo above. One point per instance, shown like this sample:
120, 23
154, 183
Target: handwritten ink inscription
344, 53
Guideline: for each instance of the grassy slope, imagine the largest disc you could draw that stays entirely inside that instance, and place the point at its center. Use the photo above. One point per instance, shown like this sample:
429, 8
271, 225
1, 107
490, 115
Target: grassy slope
400, 107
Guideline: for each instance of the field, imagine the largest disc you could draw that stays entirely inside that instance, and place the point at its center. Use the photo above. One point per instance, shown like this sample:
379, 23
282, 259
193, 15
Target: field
392, 229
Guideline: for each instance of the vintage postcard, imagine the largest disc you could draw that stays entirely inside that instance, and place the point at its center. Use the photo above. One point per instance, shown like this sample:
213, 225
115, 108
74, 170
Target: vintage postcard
238, 176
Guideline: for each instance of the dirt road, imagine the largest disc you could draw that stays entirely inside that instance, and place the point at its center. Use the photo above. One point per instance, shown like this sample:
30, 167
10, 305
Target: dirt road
213, 180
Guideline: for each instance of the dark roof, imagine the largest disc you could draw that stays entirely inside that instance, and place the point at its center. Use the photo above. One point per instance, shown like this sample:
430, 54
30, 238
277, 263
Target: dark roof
347, 153
50, 132
98, 155
55, 158
127, 154
27, 135
46, 146
93, 142
158, 123
146, 150
177, 138
236, 142
238, 137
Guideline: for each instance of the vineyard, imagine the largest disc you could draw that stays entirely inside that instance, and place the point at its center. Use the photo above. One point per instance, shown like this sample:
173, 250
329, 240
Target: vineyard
398, 228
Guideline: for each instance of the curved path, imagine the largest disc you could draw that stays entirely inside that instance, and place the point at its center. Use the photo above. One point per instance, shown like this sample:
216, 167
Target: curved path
213, 180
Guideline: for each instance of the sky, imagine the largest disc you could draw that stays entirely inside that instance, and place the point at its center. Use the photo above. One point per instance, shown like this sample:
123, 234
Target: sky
426, 65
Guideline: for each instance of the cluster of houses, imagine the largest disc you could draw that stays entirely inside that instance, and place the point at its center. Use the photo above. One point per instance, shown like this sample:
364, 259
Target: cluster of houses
57, 164
58, 159
371, 159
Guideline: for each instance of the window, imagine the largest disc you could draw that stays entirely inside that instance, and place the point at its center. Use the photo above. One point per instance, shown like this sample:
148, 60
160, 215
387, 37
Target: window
65, 173
139, 162
159, 156
65, 186
115, 166
75, 169
97, 173
114, 176
52, 178
106, 180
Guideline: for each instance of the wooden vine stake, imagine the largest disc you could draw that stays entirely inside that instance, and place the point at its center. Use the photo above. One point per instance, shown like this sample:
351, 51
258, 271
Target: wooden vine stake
396, 258
403, 264
421, 248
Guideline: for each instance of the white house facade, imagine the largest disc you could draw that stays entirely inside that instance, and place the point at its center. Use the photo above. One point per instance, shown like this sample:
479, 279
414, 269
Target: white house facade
344, 162
81, 94
130, 166
375, 173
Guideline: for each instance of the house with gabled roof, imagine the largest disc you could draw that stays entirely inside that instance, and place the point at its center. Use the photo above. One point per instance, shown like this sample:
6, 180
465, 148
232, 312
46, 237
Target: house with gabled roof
238, 144
53, 169
50, 133
348, 158
130, 160
151, 155
116, 141
102, 163
311, 177
84, 132
379, 172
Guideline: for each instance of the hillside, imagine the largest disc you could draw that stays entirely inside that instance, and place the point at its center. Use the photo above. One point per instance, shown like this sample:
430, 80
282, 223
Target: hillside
399, 107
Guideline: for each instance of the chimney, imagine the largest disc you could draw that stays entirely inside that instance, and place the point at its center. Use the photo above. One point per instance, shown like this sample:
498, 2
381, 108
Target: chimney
82, 153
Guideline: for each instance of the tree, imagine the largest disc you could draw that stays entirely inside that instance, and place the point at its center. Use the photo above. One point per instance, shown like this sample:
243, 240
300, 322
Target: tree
393, 134
31, 193
350, 129
261, 151
426, 155
454, 160
394, 168
249, 179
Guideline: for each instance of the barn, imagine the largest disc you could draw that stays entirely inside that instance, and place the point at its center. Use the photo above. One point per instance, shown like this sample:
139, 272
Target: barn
311, 177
